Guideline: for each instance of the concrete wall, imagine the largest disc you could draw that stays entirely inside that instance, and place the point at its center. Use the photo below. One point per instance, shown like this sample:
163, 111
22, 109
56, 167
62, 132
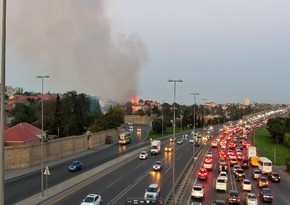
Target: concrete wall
20, 156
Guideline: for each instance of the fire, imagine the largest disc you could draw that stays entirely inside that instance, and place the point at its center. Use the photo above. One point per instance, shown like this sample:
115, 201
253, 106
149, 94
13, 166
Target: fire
134, 100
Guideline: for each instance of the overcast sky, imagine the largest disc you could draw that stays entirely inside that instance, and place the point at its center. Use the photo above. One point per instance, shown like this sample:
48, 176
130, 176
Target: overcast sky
223, 49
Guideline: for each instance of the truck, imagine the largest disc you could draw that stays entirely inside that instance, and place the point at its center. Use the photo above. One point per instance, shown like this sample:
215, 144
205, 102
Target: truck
252, 151
155, 146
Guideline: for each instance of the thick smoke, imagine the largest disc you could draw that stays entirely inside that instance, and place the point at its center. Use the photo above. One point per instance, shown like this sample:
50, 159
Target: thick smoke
72, 41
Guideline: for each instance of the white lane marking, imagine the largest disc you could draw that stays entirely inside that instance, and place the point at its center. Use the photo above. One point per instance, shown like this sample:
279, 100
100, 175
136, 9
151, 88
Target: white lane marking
138, 166
167, 170
113, 182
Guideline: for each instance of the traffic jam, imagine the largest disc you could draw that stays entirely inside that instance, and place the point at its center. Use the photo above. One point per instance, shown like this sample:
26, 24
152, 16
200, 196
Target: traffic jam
238, 175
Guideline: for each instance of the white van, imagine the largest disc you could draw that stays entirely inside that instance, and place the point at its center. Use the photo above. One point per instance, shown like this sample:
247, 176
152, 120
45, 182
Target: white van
265, 165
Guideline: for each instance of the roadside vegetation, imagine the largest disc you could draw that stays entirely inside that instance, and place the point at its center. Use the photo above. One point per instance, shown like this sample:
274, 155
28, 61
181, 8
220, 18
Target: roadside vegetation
267, 147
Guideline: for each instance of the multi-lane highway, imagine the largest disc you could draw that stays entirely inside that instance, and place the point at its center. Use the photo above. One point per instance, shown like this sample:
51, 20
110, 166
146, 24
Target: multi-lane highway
131, 179
59, 172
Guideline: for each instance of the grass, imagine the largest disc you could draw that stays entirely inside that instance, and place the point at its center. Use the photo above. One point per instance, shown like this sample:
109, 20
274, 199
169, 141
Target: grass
267, 147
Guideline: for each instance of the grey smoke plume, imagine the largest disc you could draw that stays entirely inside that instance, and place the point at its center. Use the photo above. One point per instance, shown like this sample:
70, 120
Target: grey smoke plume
72, 41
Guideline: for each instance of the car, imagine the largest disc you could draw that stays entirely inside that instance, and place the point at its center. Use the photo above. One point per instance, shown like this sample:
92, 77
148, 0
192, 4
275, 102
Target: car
157, 166
266, 194
196, 143
274, 176
75, 166
224, 175
221, 184
191, 140
214, 143
245, 164
262, 182
92, 199
250, 199
172, 139
168, 148
256, 174
233, 161
233, 197
219, 202
202, 173
152, 192
246, 185
197, 191
209, 154
143, 155
185, 136
239, 174
207, 165
180, 141
223, 166
208, 159
235, 167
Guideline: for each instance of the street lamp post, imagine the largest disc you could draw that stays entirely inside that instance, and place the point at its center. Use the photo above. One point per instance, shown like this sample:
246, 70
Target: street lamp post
42, 134
173, 152
181, 116
162, 117
204, 100
2, 126
194, 101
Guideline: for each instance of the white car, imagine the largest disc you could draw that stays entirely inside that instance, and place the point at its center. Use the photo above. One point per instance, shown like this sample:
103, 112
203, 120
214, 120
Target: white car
224, 175
143, 155
250, 199
92, 199
197, 191
246, 185
221, 184
157, 166
152, 192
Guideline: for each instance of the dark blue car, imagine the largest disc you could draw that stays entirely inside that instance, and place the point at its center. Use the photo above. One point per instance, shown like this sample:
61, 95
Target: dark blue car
75, 166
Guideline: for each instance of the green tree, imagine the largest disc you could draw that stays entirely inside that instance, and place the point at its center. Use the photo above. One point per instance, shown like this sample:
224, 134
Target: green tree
157, 125
23, 113
276, 128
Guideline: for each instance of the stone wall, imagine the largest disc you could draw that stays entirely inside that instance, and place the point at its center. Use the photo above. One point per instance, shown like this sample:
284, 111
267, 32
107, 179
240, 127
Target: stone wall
20, 156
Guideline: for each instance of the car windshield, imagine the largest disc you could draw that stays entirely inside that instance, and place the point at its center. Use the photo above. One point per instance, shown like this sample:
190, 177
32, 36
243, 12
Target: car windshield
75, 163
251, 196
158, 163
151, 189
267, 191
234, 194
197, 188
89, 199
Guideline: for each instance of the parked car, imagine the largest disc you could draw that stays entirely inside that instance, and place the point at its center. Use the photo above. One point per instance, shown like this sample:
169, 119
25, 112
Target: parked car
92, 199
274, 176
75, 166
250, 199
266, 195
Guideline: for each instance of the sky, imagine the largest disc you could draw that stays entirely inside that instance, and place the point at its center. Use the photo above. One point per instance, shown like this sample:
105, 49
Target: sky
224, 50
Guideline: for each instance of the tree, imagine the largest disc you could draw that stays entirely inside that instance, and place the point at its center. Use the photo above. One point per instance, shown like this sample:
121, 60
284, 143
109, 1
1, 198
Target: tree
23, 113
157, 125
276, 128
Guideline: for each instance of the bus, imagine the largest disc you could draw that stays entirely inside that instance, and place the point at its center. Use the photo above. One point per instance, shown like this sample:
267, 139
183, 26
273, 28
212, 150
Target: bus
265, 165
125, 138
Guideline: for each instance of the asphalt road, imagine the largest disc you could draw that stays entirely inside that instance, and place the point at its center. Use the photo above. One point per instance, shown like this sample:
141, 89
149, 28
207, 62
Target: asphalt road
59, 172
131, 180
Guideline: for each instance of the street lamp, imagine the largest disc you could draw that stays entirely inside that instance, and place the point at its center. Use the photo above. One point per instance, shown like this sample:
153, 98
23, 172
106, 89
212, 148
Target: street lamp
2, 132
42, 134
181, 116
162, 116
194, 103
204, 100
173, 147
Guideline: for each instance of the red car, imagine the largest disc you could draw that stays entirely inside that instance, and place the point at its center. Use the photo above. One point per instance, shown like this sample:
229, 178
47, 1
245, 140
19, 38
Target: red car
202, 173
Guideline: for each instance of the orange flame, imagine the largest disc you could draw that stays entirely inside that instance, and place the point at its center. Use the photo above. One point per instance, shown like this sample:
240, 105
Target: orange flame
134, 100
